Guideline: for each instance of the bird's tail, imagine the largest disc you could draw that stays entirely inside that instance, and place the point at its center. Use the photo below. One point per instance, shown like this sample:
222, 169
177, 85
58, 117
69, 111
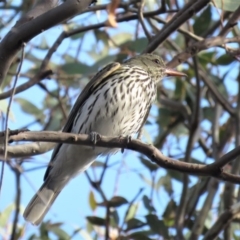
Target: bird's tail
40, 203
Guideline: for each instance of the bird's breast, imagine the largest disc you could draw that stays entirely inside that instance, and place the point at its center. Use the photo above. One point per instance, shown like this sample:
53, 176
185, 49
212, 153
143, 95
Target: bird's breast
117, 107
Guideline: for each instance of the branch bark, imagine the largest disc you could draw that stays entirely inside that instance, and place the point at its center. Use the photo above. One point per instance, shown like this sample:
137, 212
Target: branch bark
12, 42
119, 142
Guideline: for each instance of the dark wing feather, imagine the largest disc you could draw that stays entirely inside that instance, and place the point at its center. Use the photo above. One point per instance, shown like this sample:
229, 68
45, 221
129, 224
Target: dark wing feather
100, 77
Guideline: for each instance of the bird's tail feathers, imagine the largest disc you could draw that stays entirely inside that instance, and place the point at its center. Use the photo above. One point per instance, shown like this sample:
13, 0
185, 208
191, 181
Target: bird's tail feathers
40, 204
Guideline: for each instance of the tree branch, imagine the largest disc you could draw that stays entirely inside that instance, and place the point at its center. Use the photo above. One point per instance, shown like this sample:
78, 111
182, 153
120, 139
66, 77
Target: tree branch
182, 16
223, 221
27, 84
12, 42
119, 142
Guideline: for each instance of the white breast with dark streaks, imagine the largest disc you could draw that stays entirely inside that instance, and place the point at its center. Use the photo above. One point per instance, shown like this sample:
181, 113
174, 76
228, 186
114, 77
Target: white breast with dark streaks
119, 107
113, 109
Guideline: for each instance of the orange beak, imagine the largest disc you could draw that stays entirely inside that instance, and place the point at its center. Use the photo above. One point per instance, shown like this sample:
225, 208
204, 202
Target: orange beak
171, 72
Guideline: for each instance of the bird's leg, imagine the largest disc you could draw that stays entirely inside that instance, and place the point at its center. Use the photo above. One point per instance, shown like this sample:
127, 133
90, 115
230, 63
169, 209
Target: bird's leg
139, 136
128, 138
94, 137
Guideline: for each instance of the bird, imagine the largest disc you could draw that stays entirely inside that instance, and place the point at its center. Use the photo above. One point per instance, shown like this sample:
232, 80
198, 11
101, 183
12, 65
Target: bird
115, 102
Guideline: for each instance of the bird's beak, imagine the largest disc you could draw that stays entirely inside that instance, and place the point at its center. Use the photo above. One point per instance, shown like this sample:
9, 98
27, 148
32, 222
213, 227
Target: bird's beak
171, 72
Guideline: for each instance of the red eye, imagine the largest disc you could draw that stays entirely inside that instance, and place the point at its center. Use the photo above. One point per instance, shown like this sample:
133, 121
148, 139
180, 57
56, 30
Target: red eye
156, 61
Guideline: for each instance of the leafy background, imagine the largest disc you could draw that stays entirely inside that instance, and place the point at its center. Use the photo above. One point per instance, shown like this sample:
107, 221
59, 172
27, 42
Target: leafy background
126, 196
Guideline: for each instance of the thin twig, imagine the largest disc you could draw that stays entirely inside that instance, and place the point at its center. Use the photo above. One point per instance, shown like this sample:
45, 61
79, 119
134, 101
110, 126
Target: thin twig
141, 20
182, 16
129, 207
17, 171
107, 222
104, 170
193, 129
7, 115
26, 85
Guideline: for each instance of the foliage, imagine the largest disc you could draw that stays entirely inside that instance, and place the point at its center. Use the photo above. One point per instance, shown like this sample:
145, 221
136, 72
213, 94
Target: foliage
164, 204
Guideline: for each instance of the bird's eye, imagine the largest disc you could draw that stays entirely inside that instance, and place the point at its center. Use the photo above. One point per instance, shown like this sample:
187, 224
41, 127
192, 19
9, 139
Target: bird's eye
156, 61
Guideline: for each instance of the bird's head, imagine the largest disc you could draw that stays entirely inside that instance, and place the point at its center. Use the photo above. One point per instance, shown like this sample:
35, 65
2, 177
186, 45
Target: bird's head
154, 65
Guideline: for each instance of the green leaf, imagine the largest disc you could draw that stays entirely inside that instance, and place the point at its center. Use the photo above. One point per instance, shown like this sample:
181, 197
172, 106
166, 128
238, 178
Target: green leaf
76, 68
169, 214
132, 211
166, 182
103, 62
84, 234
227, 5
97, 221
121, 38
147, 163
134, 223
225, 59
220, 85
157, 226
117, 201
3, 108
43, 44
206, 58
115, 218
180, 130
143, 235
101, 35
180, 41
208, 113
61, 234
202, 22
92, 201
163, 229
34, 59
5, 215
135, 45
9, 78
29, 107
176, 175
98, 55
55, 123
145, 179
180, 89
152, 220
148, 204
77, 36
44, 231
164, 117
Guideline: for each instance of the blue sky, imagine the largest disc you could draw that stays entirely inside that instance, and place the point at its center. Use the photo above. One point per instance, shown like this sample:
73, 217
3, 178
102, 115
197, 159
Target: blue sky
72, 205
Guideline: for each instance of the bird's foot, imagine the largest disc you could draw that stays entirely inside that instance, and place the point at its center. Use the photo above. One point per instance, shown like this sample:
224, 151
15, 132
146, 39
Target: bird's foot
128, 138
94, 137
139, 136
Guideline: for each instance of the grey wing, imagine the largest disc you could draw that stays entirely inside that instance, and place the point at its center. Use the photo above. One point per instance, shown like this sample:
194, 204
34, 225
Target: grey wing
101, 76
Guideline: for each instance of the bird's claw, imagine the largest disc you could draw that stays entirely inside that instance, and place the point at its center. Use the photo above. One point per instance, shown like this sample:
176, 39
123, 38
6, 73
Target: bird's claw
128, 138
94, 137
139, 136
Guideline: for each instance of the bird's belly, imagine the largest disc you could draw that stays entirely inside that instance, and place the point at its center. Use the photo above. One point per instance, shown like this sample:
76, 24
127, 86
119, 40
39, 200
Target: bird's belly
113, 114
122, 124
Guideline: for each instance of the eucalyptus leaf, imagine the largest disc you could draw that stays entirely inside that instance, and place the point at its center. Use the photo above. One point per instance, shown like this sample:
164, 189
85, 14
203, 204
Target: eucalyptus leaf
117, 201
92, 201
96, 221
202, 22
227, 5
